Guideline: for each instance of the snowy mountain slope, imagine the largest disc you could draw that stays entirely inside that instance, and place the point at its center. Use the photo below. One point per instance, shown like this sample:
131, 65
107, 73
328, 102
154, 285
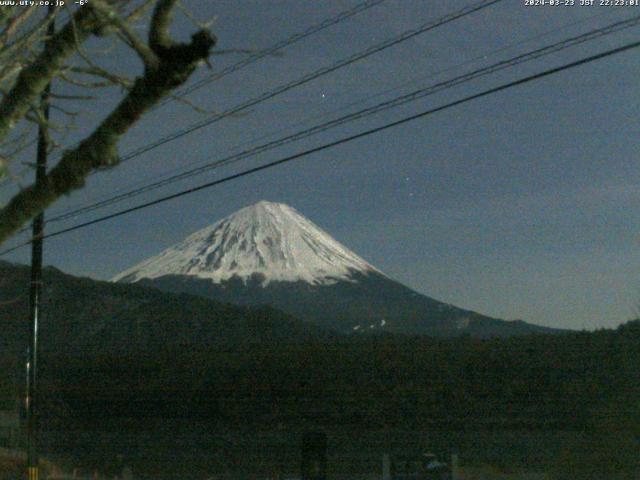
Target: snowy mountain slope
269, 241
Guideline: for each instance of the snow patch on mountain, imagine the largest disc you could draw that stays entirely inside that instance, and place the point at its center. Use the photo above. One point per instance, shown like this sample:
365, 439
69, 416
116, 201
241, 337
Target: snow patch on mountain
269, 241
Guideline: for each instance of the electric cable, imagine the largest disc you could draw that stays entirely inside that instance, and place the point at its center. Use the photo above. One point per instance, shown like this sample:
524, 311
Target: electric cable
366, 133
395, 102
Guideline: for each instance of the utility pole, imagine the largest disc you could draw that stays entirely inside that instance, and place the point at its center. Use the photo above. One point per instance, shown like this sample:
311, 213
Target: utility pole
36, 279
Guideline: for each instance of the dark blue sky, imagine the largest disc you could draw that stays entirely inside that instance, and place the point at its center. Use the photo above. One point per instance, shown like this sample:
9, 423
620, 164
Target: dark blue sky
524, 204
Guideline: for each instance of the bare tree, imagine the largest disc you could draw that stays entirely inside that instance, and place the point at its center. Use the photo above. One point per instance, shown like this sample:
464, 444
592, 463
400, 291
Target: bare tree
26, 69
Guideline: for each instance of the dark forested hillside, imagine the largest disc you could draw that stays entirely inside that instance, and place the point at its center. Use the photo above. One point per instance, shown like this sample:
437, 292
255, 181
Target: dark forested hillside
84, 320
114, 353
369, 302
532, 382
123, 349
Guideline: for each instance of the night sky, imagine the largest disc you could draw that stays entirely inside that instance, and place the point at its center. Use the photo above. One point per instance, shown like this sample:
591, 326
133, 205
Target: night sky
523, 204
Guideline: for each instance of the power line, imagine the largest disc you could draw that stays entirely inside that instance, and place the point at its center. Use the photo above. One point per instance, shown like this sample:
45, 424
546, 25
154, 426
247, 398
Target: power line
341, 141
296, 37
142, 187
407, 35
401, 100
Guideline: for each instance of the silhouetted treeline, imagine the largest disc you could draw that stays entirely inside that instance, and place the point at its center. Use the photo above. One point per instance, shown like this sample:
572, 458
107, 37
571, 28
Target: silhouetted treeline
542, 381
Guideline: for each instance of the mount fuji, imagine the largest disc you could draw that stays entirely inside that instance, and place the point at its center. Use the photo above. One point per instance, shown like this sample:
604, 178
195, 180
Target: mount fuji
268, 253
269, 242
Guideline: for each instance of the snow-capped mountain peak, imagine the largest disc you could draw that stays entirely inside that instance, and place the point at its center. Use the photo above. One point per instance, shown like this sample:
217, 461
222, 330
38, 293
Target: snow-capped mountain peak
270, 241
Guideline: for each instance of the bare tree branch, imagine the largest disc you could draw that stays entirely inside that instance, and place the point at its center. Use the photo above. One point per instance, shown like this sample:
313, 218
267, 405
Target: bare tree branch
15, 23
159, 39
139, 11
201, 25
96, 71
12, 55
99, 150
33, 79
146, 54
64, 111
